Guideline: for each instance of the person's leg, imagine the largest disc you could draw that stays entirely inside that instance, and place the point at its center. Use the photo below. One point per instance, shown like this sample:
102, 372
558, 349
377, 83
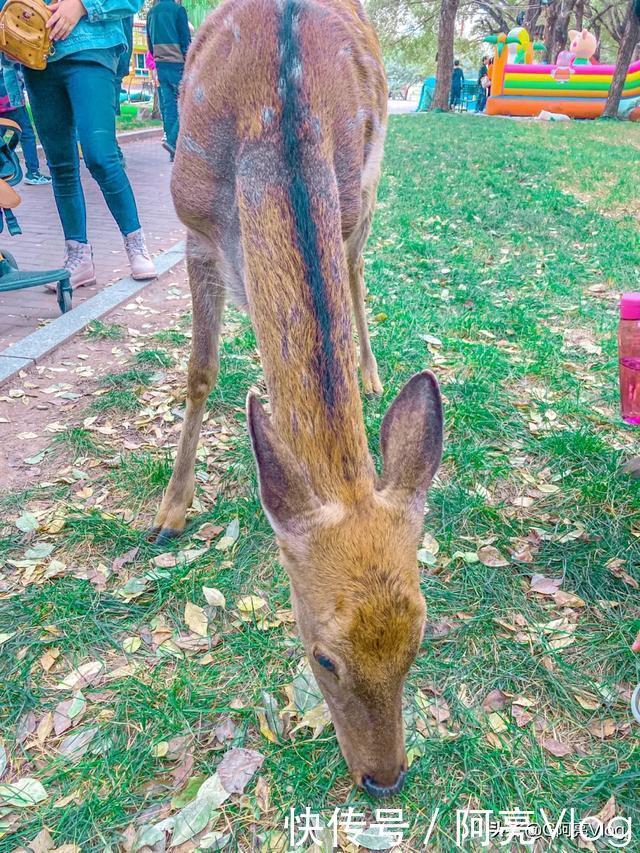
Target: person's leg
169, 77
91, 90
53, 118
28, 138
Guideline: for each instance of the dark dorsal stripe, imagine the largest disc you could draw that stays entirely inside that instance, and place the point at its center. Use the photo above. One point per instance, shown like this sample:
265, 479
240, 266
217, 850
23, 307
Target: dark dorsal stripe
306, 232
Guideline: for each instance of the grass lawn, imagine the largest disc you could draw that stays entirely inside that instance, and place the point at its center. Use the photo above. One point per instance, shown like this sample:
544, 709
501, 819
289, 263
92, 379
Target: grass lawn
498, 252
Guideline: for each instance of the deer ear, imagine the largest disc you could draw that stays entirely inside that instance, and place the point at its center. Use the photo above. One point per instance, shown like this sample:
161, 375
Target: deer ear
411, 438
284, 490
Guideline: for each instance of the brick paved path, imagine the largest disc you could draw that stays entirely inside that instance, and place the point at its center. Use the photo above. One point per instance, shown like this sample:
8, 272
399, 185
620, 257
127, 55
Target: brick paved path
41, 244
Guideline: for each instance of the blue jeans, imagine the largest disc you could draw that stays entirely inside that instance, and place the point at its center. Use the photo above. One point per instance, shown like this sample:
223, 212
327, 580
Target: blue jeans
68, 95
28, 138
169, 78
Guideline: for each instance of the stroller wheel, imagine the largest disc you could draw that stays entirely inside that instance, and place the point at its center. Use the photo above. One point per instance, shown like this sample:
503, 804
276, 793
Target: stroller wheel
635, 703
64, 296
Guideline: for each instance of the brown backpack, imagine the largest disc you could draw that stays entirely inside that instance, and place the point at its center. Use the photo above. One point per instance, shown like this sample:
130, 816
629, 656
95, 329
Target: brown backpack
24, 36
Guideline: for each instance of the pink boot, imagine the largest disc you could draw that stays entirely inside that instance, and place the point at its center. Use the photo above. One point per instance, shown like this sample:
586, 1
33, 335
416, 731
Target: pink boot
142, 267
78, 259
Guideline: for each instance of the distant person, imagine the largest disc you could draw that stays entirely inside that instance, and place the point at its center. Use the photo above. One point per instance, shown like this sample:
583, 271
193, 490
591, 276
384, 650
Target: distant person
12, 106
483, 85
168, 38
457, 82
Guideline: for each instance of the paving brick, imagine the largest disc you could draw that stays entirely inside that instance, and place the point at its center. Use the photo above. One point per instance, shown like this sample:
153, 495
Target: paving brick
41, 245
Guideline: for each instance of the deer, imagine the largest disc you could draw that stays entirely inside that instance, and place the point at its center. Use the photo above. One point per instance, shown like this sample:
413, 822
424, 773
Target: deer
283, 120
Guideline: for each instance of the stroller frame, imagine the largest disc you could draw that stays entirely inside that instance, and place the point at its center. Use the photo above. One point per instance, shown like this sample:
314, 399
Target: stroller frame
11, 277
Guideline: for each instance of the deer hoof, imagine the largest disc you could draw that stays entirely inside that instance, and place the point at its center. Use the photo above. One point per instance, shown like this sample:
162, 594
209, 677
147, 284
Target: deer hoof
372, 387
166, 534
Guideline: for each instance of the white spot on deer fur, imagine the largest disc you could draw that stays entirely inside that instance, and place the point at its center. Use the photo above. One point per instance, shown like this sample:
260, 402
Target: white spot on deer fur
188, 143
230, 24
198, 95
268, 114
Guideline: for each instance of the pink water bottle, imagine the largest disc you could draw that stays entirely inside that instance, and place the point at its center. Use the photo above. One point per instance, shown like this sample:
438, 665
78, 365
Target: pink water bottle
629, 357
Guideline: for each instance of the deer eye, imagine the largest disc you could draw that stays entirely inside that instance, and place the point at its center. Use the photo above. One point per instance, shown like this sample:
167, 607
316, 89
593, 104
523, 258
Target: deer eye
325, 662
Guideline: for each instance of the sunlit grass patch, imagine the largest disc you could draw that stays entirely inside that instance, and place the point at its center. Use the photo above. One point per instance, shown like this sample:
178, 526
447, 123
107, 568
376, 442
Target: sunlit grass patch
501, 280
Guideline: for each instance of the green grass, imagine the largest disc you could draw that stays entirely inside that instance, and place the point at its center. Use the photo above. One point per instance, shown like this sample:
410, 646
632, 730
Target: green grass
488, 236
104, 331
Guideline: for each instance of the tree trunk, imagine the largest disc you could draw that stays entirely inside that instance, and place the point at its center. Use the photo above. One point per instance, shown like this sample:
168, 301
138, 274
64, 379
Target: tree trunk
446, 30
625, 54
155, 110
580, 15
557, 27
531, 17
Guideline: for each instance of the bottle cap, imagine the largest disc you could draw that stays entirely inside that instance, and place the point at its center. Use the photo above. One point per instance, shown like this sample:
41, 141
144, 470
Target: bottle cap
630, 306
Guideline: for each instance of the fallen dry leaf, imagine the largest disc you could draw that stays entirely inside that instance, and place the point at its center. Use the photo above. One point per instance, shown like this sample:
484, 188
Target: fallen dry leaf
545, 586
602, 728
237, 767
495, 701
196, 619
490, 556
556, 747
615, 567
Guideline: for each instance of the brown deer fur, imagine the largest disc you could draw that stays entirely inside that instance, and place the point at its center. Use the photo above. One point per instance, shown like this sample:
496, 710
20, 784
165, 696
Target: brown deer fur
283, 116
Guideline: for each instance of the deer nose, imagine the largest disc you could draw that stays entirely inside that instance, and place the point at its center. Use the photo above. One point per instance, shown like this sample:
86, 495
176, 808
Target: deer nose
381, 791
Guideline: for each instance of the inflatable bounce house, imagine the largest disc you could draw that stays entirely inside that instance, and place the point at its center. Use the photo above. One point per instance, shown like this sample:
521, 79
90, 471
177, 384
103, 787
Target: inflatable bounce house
577, 86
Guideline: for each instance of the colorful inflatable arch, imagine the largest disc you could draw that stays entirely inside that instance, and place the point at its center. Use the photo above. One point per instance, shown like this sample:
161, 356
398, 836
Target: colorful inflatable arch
575, 87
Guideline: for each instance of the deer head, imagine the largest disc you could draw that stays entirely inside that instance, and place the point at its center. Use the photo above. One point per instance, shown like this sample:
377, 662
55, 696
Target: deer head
354, 578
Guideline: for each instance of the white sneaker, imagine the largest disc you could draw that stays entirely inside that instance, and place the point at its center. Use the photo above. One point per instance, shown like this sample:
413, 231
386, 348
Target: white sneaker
142, 267
78, 260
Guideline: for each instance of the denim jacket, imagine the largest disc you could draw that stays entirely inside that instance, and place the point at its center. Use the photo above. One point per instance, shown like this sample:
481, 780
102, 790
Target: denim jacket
100, 27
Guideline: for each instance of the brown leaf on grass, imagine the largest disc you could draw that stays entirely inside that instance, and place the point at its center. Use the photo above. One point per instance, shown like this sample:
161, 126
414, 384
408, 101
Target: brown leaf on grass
587, 700
556, 747
207, 531
490, 556
177, 747
606, 813
521, 716
632, 468
522, 552
437, 630
26, 726
48, 659
68, 713
615, 567
42, 843
568, 599
74, 746
603, 729
497, 722
263, 794
196, 619
495, 701
167, 560
544, 585
439, 709
183, 771
225, 730
124, 559
237, 767
89, 673
45, 727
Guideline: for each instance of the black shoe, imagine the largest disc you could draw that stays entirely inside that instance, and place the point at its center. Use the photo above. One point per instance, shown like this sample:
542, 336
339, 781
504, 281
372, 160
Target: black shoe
168, 147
